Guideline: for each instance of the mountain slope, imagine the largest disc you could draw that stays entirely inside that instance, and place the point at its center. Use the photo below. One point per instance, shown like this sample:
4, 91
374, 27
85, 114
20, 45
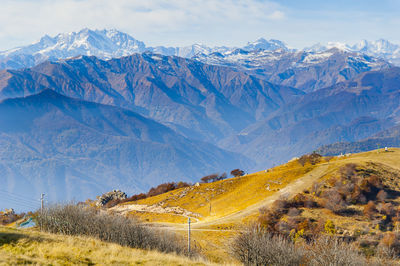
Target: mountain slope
380, 48
72, 149
387, 138
305, 70
201, 101
348, 111
104, 44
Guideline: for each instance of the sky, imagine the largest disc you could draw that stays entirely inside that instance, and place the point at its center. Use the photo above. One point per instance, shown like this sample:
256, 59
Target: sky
299, 23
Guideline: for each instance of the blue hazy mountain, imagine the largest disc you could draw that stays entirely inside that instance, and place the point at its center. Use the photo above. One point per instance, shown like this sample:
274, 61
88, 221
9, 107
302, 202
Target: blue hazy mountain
73, 149
200, 101
346, 112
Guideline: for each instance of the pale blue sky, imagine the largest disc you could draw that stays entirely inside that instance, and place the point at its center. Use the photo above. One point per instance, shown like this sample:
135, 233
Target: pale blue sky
299, 23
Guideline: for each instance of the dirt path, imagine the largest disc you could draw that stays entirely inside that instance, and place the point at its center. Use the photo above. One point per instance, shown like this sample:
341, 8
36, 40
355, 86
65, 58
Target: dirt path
297, 186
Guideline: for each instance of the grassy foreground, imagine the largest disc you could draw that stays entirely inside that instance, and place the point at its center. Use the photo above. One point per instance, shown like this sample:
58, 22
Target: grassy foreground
33, 247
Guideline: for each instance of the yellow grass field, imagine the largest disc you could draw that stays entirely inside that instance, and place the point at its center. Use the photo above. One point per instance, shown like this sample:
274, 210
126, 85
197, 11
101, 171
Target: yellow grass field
33, 247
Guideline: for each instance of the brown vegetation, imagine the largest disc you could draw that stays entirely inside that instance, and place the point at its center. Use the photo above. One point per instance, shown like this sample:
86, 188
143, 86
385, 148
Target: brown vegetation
83, 221
257, 246
154, 191
237, 172
213, 178
312, 158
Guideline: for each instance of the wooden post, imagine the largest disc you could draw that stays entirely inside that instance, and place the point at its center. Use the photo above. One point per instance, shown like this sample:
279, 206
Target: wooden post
41, 203
189, 234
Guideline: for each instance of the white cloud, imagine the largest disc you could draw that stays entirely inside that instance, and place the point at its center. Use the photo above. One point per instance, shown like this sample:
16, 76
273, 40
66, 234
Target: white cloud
154, 21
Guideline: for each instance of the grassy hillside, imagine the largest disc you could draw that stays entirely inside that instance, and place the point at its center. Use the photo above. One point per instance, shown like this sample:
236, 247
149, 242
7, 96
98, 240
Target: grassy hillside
219, 210
211, 201
33, 247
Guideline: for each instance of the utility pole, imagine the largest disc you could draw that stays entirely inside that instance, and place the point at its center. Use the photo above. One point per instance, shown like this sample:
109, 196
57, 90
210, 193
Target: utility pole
41, 203
189, 234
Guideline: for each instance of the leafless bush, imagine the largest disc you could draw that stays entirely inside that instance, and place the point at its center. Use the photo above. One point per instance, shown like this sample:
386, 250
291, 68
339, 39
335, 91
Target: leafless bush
256, 246
78, 220
333, 200
293, 212
333, 251
348, 170
382, 195
384, 256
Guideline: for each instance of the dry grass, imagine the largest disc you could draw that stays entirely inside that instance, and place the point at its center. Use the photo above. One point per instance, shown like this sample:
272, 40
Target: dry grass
233, 195
214, 200
33, 247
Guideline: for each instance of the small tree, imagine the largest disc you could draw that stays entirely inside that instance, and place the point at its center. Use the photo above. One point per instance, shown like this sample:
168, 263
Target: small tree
209, 178
222, 177
237, 172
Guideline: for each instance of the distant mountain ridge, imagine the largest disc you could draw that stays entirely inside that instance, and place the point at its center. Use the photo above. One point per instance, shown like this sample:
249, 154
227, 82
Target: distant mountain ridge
198, 100
107, 44
307, 71
346, 112
230, 109
387, 138
73, 149
380, 48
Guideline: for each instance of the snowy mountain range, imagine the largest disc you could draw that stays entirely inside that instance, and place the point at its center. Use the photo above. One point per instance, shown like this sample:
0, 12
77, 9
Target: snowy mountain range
380, 48
107, 44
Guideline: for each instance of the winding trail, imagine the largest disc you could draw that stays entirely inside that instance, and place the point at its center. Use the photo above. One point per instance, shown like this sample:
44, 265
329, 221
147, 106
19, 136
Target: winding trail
290, 190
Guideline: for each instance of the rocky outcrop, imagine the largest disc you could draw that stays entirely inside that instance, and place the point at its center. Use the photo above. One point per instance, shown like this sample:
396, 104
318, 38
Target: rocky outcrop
109, 196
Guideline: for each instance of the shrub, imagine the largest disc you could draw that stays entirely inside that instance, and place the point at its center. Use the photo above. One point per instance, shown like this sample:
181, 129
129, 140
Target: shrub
280, 206
213, 178
268, 219
333, 200
78, 220
348, 170
135, 197
256, 246
160, 189
237, 172
330, 227
370, 210
388, 209
312, 158
382, 195
327, 250
293, 212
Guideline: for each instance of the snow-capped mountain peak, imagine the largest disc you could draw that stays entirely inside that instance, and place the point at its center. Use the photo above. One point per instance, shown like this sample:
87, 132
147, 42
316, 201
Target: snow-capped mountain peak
380, 48
104, 44
264, 44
